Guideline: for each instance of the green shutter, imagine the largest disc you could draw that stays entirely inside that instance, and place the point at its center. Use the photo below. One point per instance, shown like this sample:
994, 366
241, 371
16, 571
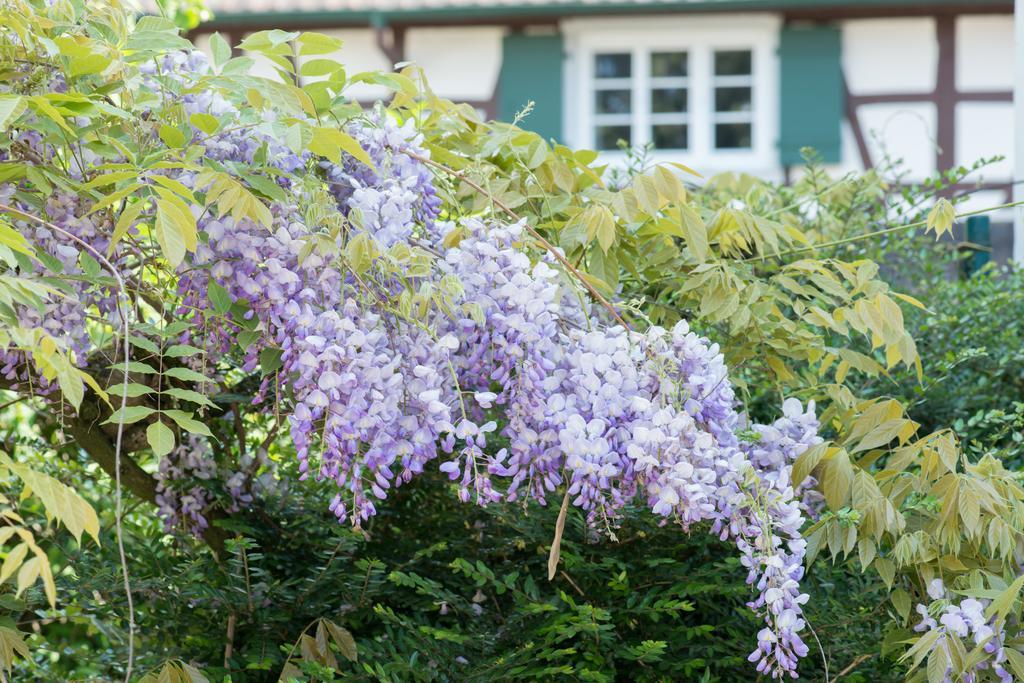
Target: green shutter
811, 93
531, 70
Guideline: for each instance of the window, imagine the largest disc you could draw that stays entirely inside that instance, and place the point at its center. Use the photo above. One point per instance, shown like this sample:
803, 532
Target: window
653, 104
701, 90
734, 86
669, 100
613, 99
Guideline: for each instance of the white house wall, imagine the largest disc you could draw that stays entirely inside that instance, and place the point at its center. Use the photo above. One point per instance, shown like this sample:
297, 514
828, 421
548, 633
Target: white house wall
904, 132
884, 56
461, 63
890, 59
984, 49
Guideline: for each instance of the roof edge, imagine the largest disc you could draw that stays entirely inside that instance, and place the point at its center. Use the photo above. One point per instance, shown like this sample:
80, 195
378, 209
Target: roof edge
524, 12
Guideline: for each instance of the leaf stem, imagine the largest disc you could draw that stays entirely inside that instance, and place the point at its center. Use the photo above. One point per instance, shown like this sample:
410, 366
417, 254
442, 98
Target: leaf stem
877, 233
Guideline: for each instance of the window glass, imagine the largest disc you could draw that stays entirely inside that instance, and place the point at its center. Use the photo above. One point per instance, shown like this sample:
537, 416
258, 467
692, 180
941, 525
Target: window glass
619, 65
733, 136
665, 100
733, 99
733, 62
668, 64
643, 97
669, 100
670, 136
613, 101
733, 116
607, 137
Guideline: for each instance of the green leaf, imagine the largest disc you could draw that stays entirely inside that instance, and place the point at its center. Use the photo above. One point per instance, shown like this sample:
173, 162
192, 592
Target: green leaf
320, 67
136, 366
60, 500
109, 179
189, 395
11, 107
270, 360
11, 238
266, 187
837, 479
186, 375
695, 231
603, 226
360, 252
12, 643
901, 601
312, 43
171, 136
90, 266
160, 438
182, 350
175, 230
129, 415
133, 390
807, 461
1004, 604
69, 377
219, 297
188, 422
43, 107
144, 344
941, 217
330, 142
204, 122
247, 338
220, 49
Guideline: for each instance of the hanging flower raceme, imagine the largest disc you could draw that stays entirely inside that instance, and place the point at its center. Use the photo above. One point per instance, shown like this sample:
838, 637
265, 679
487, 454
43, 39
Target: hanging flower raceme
509, 354
965, 620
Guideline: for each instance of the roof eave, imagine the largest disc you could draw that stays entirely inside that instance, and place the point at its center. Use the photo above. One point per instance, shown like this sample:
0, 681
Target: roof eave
524, 13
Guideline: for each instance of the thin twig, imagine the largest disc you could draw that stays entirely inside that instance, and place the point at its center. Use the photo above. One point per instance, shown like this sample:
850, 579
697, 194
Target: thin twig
229, 646
853, 665
118, 503
536, 235
572, 583
877, 233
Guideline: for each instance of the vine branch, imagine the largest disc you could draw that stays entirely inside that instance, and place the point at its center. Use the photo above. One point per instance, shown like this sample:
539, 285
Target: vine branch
123, 308
877, 233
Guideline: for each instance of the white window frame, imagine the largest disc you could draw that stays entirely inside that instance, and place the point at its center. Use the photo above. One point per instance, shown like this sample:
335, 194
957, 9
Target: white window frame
700, 37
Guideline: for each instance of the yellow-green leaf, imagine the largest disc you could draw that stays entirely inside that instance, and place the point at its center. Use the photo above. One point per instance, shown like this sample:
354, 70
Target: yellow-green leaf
60, 501
330, 142
160, 438
174, 231
941, 217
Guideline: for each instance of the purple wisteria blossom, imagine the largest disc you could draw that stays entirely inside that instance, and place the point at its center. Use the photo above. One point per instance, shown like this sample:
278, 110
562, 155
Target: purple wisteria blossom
514, 357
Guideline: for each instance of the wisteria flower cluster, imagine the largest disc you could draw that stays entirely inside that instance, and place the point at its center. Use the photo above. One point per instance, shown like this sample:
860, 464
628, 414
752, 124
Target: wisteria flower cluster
513, 359
965, 620
183, 492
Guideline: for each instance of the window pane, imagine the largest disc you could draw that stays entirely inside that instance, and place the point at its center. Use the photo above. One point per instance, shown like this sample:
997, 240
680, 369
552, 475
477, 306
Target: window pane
732, 63
732, 99
669, 136
613, 66
668, 64
612, 101
732, 136
607, 137
668, 100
